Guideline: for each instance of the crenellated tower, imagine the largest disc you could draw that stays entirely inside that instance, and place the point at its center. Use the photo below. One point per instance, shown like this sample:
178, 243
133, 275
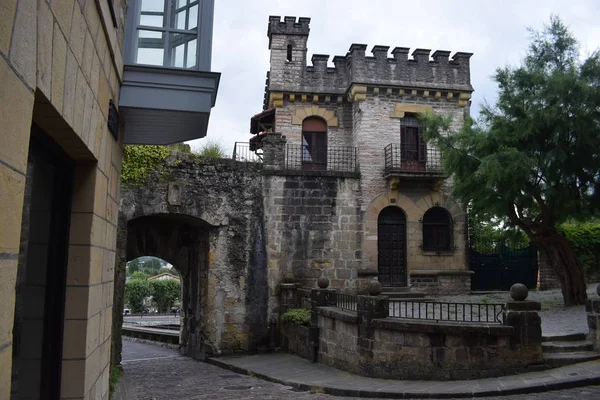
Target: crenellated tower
287, 42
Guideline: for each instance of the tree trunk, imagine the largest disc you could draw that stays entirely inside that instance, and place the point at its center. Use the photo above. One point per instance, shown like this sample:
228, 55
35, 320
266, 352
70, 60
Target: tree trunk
566, 265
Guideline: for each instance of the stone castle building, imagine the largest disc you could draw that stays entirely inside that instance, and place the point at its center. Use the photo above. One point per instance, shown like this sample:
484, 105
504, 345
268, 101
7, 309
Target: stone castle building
353, 191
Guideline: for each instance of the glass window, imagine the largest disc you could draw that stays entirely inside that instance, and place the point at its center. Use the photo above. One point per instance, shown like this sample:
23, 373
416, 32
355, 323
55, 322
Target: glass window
437, 230
173, 20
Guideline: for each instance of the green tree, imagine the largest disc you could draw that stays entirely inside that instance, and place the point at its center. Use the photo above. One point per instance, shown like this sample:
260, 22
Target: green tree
139, 275
164, 293
136, 291
531, 161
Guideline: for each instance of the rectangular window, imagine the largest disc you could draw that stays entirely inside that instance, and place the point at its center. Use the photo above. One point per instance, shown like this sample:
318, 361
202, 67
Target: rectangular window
167, 33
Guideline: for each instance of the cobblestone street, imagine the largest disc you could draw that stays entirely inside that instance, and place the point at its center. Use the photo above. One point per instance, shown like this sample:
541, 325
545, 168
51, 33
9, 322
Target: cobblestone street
155, 373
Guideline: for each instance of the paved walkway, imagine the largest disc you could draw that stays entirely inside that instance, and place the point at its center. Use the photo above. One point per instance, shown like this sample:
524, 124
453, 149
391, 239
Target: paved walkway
297, 372
155, 373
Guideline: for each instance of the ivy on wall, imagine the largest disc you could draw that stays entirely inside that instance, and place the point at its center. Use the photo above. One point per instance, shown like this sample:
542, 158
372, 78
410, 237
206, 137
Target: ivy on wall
139, 161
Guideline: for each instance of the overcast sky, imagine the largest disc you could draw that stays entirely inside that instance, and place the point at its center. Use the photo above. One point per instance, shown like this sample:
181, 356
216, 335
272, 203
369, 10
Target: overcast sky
495, 31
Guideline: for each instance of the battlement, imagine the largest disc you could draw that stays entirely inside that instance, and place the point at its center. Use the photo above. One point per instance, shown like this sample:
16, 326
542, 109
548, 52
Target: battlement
289, 26
420, 69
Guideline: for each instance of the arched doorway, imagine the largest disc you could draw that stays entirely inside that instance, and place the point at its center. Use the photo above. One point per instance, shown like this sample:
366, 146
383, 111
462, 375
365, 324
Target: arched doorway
391, 247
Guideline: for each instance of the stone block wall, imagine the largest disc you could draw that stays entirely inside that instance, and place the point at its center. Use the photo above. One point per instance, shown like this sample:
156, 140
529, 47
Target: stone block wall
60, 64
338, 339
314, 229
440, 283
212, 231
421, 350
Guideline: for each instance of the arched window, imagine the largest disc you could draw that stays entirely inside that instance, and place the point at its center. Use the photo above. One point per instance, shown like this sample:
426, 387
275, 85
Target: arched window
314, 143
289, 53
437, 230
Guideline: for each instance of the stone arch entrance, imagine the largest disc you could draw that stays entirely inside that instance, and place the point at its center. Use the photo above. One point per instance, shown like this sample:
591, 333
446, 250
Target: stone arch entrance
183, 240
391, 247
206, 219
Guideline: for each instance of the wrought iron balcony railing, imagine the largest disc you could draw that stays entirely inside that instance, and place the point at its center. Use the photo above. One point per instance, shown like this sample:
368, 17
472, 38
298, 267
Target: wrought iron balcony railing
333, 158
242, 152
406, 159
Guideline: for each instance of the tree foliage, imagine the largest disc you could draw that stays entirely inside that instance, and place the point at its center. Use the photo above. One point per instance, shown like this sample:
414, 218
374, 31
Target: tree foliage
531, 160
145, 264
164, 293
136, 290
585, 239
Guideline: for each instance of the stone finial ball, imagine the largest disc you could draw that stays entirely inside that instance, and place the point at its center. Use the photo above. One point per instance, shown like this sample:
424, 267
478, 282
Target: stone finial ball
374, 288
323, 282
519, 292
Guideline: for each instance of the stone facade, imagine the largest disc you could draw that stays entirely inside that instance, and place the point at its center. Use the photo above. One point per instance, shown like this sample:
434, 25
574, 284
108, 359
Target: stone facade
204, 216
327, 224
61, 63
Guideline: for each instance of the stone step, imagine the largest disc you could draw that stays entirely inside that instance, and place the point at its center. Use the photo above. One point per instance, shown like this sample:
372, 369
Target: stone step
562, 359
572, 337
568, 346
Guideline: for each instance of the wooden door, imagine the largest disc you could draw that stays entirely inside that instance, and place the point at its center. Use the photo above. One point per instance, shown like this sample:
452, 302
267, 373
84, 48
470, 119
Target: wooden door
391, 247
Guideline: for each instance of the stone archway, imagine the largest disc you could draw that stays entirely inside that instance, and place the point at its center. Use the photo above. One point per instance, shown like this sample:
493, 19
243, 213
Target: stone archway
207, 220
183, 240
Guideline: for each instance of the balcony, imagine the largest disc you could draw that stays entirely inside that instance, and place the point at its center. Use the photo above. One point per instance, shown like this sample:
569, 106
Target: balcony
326, 159
168, 89
412, 162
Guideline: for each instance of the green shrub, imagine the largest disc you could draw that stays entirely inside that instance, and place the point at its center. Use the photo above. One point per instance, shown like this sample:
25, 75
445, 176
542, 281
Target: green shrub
300, 316
213, 149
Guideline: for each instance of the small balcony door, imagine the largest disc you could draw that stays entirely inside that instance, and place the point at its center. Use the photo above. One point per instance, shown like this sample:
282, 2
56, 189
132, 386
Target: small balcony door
314, 144
413, 150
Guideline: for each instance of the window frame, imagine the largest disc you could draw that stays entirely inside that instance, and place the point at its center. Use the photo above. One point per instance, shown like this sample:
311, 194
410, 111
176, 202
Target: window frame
407, 128
167, 31
314, 145
431, 231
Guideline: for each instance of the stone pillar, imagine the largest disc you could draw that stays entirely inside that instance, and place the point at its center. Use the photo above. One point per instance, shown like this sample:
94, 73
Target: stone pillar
523, 316
274, 151
592, 307
368, 308
319, 298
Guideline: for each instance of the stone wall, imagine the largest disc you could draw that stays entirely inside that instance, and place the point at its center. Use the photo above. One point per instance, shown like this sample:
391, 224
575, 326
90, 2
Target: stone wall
205, 216
313, 227
440, 282
420, 350
338, 339
369, 343
60, 64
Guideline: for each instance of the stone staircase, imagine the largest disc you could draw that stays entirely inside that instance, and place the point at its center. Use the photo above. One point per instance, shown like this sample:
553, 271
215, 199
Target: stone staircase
567, 349
404, 293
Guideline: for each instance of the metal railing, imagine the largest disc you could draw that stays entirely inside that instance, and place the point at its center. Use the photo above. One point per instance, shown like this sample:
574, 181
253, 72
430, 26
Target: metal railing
403, 159
453, 312
345, 301
242, 152
333, 158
